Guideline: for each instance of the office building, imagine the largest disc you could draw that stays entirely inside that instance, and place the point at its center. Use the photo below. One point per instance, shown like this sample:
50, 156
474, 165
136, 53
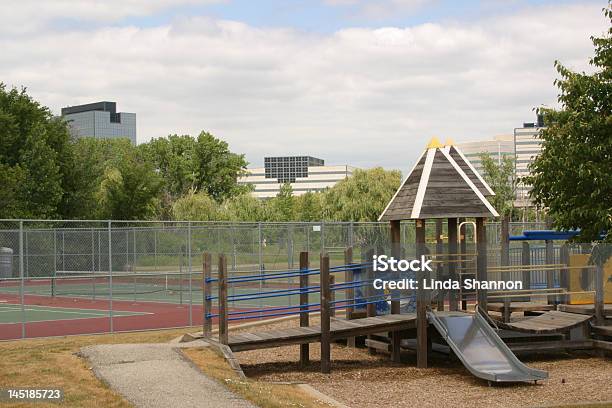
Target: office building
304, 173
100, 120
497, 148
527, 146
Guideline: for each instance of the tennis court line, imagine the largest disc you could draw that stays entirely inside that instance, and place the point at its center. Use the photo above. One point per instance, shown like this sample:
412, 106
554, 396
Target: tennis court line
74, 312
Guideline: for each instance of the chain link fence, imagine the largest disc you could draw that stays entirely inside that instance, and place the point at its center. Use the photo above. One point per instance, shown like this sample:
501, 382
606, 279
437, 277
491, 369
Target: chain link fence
107, 276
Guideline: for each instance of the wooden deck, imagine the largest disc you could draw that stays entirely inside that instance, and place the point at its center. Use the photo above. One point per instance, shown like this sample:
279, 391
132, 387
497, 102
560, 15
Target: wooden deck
585, 309
521, 307
339, 329
549, 322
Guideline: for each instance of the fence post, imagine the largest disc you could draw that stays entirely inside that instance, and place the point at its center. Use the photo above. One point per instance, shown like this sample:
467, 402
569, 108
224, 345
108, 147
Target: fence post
207, 302
325, 315
110, 273
505, 261
222, 299
21, 282
395, 230
439, 265
304, 265
190, 269
564, 272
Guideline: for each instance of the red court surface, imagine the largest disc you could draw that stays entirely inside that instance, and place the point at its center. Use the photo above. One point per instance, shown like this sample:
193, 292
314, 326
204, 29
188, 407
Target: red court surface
158, 316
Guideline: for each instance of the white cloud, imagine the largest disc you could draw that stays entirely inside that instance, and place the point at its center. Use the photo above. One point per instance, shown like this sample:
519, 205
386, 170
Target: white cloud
359, 96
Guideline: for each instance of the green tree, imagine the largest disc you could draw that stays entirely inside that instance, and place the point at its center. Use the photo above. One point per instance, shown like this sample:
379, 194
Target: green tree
500, 177
309, 207
283, 205
129, 189
245, 207
217, 168
361, 197
572, 176
35, 157
195, 207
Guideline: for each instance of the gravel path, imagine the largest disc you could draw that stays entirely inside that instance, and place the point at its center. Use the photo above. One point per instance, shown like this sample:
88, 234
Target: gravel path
155, 375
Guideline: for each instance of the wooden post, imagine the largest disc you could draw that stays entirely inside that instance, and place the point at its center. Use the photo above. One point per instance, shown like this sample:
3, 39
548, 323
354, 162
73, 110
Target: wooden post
222, 299
463, 251
369, 289
349, 293
453, 304
395, 303
206, 285
439, 266
422, 300
599, 294
505, 261
481, 262
526, 261
332, 296
304, 265
325, 316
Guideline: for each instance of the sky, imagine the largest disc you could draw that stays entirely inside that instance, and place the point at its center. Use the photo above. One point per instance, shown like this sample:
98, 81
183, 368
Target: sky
365, 83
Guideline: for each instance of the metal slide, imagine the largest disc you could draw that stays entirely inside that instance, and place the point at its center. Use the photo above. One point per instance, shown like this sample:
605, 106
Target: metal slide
480, 349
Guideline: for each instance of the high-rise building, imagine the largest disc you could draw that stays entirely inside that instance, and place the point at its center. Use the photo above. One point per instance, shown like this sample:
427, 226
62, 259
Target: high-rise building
497, 148
304, 173
100, 120
527, 146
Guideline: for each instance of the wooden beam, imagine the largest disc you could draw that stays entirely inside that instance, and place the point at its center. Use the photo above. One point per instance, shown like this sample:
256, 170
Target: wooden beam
526, 261
206, 293
369, 289
481, 262
422, 299
325, 316
439, 266
304, 265
463, 258
395, 304
222, 299
550, 254
350, 292
453, 303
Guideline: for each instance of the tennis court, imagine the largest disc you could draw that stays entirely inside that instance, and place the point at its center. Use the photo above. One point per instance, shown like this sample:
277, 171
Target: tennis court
13, 313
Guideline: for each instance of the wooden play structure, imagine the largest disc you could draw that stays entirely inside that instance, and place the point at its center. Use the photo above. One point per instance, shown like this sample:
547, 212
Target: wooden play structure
442, 185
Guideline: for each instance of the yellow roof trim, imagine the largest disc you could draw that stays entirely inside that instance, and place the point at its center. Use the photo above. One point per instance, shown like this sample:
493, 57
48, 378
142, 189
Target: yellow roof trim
434, 143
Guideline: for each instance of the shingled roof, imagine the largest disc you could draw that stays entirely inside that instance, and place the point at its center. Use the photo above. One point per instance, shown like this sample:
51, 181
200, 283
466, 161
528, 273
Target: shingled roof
442, 184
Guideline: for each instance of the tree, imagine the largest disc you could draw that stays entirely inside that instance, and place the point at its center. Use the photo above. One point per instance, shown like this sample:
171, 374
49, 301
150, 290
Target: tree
309, 207
245, 207
129, 189
500, 178
361, 197
217, 168
283, 205
572, 177
195, 207
35, 157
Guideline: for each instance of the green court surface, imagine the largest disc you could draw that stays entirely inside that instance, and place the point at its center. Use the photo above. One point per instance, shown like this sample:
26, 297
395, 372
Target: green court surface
12, 313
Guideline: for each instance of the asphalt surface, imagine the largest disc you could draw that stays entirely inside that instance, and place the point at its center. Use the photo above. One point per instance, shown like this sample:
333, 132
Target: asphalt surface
155, 375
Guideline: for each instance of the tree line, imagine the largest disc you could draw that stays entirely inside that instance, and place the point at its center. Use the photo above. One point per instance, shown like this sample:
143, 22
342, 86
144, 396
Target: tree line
47, 174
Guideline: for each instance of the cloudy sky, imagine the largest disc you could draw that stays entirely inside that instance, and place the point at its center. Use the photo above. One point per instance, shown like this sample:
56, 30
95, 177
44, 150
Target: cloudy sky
355, 82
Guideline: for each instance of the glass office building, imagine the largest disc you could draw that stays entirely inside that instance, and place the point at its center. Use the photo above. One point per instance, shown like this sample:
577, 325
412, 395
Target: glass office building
100, 120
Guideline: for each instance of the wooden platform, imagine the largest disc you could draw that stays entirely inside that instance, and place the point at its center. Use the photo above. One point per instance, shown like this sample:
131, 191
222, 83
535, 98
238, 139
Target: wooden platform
549, 322
521, 307
339, 329
603, 330
585, 309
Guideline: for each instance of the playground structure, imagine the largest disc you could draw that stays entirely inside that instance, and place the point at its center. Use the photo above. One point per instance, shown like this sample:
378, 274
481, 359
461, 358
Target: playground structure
442, 185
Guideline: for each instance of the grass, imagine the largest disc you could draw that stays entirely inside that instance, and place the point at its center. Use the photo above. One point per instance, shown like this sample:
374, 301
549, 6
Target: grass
262, 394
53, 363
